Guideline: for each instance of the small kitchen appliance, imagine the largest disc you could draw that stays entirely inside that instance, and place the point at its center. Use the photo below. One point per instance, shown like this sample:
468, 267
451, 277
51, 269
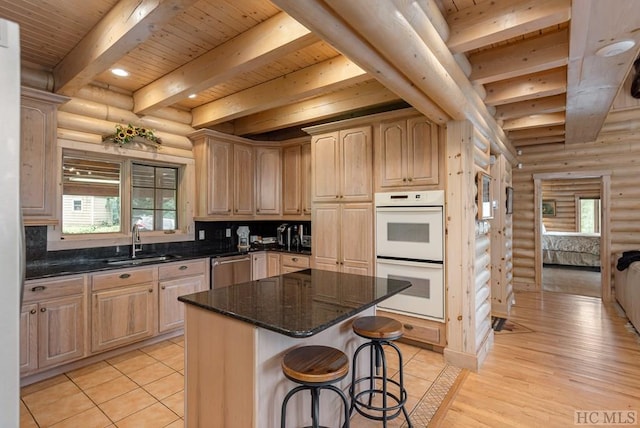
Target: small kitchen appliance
243, 238
282, 234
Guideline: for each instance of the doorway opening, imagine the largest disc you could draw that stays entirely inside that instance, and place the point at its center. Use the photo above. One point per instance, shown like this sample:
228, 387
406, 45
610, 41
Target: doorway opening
571, 235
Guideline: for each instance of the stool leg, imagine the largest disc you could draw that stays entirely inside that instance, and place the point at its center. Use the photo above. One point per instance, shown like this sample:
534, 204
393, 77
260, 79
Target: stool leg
403, 392
315, 407
352, 387
283, 412
381, 356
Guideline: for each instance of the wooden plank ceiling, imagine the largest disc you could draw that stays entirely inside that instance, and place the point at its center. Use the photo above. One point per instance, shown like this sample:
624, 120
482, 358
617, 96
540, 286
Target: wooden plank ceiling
525, 71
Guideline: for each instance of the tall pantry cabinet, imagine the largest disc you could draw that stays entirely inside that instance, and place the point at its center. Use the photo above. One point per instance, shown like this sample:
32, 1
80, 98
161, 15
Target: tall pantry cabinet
342, 194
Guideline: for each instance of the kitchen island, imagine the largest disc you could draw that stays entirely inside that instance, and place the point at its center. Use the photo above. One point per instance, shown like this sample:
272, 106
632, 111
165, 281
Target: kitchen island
235, 338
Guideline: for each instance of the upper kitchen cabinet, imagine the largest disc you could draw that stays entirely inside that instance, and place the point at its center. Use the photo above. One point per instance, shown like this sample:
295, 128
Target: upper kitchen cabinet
224, 174
406, 154
268, 180
37, 155
296, 179
342, 165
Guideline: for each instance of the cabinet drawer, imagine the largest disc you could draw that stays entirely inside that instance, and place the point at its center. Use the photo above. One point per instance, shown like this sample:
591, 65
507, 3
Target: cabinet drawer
122, 277
419, 329
40, 289
186, 268
295, 261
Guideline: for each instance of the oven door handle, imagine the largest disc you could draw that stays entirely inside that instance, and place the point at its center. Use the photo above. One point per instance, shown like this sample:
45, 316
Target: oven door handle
409, 262
408, 209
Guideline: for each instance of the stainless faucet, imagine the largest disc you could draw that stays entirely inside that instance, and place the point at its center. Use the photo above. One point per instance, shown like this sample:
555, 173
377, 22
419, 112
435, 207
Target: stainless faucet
136, 243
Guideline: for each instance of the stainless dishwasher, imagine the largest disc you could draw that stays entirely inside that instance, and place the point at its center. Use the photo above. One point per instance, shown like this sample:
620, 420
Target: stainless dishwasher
230, 270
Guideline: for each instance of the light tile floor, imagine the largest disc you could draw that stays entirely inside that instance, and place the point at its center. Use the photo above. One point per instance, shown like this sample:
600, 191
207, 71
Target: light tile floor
145, 389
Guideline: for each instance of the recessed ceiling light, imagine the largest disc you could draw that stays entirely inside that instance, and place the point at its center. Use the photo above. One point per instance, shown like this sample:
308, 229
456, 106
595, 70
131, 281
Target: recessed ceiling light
120, 72
192, 96
615, 48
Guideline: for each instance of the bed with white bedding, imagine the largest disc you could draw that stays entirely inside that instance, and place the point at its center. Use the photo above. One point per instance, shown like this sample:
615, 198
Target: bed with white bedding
571, 248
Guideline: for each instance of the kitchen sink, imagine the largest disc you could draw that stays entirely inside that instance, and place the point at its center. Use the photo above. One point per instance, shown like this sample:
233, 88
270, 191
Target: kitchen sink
140, 260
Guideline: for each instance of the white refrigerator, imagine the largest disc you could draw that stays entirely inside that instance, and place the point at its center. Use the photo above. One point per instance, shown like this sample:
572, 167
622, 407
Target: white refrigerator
11, 231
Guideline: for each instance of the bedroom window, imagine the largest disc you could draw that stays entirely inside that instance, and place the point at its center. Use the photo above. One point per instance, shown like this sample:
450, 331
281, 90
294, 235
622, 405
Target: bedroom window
589, 215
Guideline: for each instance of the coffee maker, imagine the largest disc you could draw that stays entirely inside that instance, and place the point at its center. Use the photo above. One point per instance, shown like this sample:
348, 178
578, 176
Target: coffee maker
282, 234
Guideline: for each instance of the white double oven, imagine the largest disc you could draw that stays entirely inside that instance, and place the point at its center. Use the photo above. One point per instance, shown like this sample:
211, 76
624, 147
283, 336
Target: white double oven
410, 246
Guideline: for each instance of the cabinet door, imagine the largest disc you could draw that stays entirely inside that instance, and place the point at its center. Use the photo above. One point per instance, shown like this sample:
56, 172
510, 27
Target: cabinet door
305, 178
60, 330
28, 338
37, 154
356, 243
268, 180
170, 309
273, 264
258, 266
243, 179
326, 223
355, 165
325, 172
122, 315
422, 152
291, 180
391, 156
220, 178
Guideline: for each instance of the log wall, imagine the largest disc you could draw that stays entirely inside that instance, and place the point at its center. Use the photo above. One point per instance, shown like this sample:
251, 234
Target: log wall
501, 242
565, 194
620, 157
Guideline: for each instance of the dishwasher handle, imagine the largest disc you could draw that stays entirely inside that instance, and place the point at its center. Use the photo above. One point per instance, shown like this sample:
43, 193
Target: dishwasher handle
245, 259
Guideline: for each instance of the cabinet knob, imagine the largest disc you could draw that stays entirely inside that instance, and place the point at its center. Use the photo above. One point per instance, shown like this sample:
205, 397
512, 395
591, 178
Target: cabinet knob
38, 288
410, 179
408, 326
32, 311
124, 276
43, 309
258, 210
162, 287
404, 179
151, 290
295, 259
183, 267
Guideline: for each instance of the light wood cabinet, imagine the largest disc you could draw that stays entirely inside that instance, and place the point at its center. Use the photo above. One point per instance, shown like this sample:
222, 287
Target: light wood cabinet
38, 123
293, 263
177, 279
224, 174
258, 266
268, 180
419, 330
342, 165
243, 179
296, 180
123, 307
347, 237
273, 264
407, 153
52, 322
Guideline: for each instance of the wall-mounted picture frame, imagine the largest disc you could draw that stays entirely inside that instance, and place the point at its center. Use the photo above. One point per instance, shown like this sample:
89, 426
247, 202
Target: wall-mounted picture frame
485, 198
548, 208
509, 200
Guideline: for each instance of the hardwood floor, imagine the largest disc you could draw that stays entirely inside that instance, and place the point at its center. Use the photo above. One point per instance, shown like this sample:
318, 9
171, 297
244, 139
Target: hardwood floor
572, 281
580, 355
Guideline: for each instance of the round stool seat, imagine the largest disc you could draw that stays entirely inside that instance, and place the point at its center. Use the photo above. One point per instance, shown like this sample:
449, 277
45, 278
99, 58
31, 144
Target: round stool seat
377, 328
315, 364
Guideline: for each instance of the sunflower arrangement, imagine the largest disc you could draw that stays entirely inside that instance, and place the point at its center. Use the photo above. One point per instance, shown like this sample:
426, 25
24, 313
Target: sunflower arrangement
125, 134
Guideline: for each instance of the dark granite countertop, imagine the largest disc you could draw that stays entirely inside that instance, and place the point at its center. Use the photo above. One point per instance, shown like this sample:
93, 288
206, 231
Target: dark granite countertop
298, 304
69, 262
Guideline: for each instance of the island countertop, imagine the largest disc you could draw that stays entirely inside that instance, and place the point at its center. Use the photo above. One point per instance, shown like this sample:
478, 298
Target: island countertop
298, 304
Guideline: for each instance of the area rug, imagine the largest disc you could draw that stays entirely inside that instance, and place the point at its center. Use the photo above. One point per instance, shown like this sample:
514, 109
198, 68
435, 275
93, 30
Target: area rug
438, 397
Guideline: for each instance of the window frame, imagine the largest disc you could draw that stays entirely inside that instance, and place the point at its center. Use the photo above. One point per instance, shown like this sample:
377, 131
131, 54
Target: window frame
185, 193
597, 220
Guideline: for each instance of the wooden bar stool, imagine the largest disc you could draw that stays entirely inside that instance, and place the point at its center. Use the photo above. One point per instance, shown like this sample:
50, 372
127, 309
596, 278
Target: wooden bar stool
315, 368
380, 331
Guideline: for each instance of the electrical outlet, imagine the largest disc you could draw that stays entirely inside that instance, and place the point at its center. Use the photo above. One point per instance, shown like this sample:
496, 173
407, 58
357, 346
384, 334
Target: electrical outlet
228, 232
201, 235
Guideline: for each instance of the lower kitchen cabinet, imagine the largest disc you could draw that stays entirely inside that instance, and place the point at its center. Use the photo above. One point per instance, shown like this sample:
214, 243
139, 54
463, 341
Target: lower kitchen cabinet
273, 264
123, 307
293, 263
52, 322
258, 266
178, 279
420, 330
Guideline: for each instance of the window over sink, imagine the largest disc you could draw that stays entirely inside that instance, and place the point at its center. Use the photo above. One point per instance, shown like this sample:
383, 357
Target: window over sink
102, 195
